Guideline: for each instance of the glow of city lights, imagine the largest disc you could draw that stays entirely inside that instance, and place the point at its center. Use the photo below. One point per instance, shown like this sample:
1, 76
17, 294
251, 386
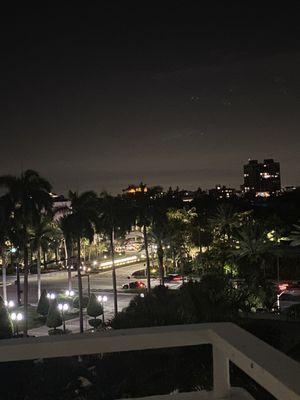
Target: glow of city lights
104, 298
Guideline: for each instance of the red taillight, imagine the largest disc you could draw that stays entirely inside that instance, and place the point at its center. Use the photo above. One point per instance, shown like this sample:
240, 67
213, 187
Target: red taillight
177, 278
283, 286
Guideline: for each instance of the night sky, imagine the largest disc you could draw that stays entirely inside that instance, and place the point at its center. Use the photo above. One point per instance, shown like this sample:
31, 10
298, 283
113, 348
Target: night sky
100, 97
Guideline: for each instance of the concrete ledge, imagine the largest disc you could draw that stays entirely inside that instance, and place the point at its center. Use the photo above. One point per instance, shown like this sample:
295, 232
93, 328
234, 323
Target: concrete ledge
272, 369
235, 394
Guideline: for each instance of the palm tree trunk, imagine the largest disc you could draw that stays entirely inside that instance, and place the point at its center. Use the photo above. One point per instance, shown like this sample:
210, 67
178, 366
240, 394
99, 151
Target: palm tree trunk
68, 265
147, 258
45, 260
174, 261
79, 286
19, 299
84, 251
26, 267
4, 283
38, 264
56, 256
66, 254
113, 269
160, 259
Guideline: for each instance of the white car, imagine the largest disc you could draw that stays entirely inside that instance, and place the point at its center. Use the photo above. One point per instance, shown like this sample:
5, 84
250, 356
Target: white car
288, 298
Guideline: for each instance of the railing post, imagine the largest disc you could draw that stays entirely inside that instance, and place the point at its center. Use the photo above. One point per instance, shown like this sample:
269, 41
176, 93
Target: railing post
221, 374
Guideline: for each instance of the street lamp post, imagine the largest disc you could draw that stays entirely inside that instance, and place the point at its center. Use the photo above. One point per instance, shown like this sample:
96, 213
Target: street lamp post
63, 307
16, 317
102, 300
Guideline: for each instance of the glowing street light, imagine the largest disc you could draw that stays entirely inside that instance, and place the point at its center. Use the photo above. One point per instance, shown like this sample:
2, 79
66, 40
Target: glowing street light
16, 318
69, 293
10, 304
51, 296
63, 307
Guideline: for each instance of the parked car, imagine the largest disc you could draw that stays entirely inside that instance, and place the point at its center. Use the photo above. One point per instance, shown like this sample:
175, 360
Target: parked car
288, 298
287, 285
173, 278
134, 285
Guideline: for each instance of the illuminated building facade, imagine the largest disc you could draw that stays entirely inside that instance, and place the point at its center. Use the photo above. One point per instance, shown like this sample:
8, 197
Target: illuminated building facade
222, 192
262, 179
132, 189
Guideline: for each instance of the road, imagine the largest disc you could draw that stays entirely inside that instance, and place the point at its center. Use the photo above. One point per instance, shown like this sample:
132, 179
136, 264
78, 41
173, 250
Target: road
57, 281
100, 283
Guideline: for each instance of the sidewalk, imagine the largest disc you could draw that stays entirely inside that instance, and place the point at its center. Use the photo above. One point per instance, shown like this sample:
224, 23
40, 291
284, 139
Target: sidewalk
71, 325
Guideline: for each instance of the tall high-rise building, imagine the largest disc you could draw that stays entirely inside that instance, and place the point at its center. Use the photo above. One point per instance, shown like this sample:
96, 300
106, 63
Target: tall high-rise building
262, 179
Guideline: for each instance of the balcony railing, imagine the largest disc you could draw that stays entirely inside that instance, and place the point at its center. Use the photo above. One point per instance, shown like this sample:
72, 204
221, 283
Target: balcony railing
273, 370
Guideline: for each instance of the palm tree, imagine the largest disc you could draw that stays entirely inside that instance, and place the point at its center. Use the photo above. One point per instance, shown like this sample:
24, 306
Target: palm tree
27, 197
143, 209
115, 218
68, 247
45, 234
223, 221
179, 232
252, 245
80, 223
160, 231
3, 246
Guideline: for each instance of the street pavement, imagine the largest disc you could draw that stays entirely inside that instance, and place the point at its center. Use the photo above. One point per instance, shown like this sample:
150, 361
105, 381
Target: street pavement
100, 283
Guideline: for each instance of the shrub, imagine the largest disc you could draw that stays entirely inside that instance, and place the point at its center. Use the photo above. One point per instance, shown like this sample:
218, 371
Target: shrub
211, 300
94, 307
85, 301
43, 304
54, 319
95, 323
6, 326
55, 331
